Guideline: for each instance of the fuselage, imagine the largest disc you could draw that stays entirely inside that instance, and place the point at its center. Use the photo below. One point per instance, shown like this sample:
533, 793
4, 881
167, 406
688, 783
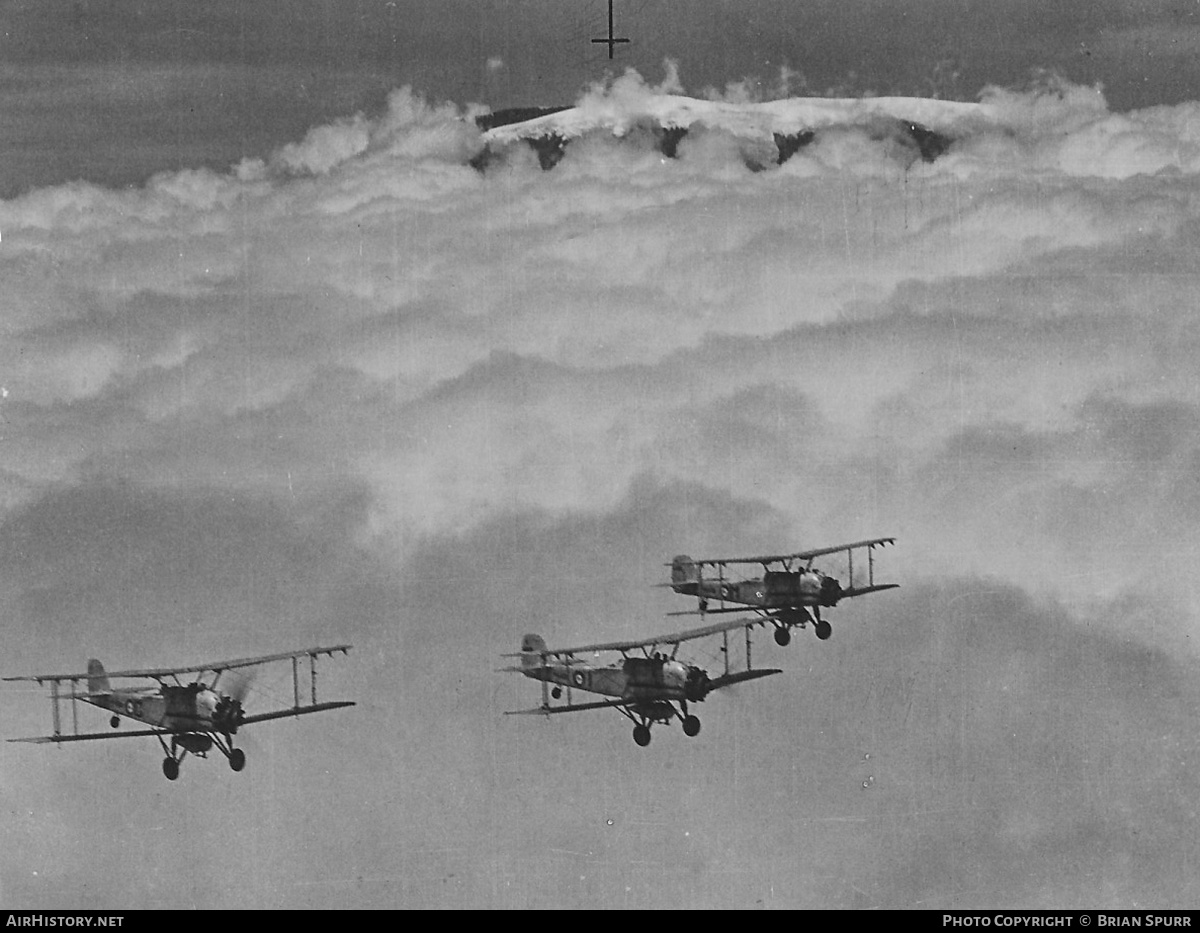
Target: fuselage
180, 709
774, 590
634, 679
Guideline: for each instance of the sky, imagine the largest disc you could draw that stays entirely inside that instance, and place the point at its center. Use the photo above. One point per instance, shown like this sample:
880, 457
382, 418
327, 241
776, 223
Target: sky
279, 368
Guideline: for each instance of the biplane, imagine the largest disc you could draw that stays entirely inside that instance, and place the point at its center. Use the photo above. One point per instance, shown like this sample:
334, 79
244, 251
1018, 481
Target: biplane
788, 597
645, 689
196, 716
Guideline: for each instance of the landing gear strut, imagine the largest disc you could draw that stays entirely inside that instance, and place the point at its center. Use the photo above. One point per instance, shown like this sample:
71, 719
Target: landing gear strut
237, 757
691, 724
170, 765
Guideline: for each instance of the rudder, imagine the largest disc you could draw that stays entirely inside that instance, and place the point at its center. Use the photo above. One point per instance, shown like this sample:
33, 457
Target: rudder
683, 571
533, 648
97, 679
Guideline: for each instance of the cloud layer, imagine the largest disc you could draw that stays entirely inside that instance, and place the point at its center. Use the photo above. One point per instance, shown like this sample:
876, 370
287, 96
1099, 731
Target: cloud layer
360, 390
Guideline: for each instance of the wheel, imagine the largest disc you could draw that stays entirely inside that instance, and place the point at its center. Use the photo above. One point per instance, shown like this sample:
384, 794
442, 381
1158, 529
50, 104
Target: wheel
691, 725
641, 735
237, 759
556, 693
824, 630
170, 768
782, 636
115, 721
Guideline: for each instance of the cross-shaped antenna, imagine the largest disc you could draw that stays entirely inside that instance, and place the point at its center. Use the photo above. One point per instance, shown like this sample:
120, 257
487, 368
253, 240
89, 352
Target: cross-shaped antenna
610, 41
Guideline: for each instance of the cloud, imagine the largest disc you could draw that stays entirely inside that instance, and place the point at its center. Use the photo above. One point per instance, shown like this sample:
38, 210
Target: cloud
366, 284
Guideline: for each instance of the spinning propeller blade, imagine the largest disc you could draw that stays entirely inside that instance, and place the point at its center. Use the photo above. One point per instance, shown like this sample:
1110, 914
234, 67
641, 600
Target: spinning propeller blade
229, 712
236, 684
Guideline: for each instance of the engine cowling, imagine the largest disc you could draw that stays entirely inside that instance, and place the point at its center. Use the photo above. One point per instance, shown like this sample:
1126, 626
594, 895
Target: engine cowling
698, 685
831, 591
228, 715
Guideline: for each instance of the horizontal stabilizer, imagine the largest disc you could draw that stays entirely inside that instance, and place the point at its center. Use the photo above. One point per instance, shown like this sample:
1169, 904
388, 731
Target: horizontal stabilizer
572, 708
728, 680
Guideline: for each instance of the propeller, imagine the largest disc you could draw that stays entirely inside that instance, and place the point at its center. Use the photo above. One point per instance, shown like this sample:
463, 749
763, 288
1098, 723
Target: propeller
228, 713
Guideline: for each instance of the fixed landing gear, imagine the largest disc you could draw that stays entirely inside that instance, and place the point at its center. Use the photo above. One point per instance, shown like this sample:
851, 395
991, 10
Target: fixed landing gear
782, 636
199, 744
236, 757
170, 765
823, 629
659, 711
115, 721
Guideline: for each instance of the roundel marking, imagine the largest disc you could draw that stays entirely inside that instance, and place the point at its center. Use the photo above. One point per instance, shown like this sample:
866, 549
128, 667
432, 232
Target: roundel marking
578, 678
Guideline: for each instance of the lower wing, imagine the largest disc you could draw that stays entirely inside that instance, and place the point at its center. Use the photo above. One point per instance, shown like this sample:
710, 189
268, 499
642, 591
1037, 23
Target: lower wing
728, 680
262, 717
91, 736
295, 711
570, 708
863, 590
745, 607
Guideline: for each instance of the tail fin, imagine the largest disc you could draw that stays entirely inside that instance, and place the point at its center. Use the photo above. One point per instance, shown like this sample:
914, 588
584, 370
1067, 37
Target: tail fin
683, 571
532, 649
97, 679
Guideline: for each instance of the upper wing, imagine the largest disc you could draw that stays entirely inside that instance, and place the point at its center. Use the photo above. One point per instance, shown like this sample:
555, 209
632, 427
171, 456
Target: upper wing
799, 555
213, 666
672, 639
